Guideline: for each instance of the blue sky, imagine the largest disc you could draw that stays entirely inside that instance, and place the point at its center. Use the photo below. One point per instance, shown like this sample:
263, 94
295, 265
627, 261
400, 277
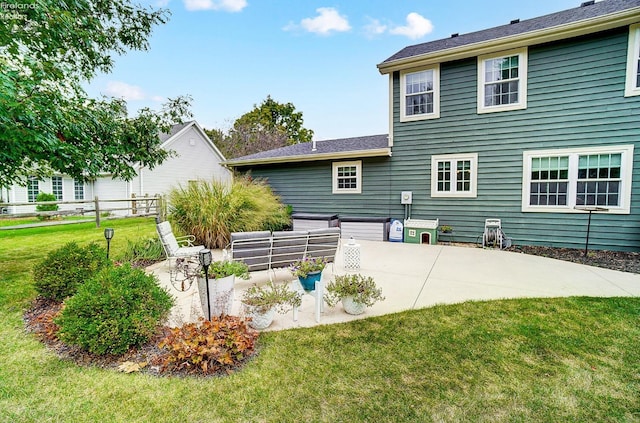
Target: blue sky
319, 55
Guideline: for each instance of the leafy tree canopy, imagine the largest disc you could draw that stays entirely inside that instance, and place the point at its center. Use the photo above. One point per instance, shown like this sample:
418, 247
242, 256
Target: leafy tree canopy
48, 49
269, 125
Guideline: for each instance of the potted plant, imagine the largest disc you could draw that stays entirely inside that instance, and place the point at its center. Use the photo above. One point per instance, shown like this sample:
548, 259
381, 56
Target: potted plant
262, 302
222, 276
445, 229
355, 291
309, 271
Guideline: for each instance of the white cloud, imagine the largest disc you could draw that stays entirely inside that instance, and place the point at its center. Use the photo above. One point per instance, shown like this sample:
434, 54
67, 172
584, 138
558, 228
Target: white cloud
224, 5
374, 27
123, 90
327, 21
417, 26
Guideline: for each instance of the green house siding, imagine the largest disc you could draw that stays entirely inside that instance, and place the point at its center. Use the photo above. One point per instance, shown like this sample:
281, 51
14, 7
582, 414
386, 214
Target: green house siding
575, 99
307, 186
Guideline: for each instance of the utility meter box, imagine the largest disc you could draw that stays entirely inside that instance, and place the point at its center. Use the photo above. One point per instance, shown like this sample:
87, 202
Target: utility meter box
406, 197
419, 231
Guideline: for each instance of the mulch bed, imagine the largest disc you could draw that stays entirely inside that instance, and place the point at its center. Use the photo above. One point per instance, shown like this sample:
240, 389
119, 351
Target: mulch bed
39, 317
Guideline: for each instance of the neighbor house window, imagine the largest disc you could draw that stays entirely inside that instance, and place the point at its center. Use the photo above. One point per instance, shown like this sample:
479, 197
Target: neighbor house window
56, 187
347, 177
569, 179
78, 190
420, 94
454, 175
502, 81
33, 188
632, 86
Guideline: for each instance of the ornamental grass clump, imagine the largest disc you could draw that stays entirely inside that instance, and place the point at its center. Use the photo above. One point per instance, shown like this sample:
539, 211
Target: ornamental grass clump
122, 307
59, 274
211, 210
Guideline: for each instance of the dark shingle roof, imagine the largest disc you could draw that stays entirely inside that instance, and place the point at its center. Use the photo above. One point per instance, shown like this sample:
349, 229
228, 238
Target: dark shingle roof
325, 147
564, 17
174, 130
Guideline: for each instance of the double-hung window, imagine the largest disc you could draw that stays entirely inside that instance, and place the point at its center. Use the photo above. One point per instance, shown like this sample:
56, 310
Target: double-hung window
347, 177
454, 175
56, 187
33, 188
502, 81
78, 190
632, 86
420, 94
569, 179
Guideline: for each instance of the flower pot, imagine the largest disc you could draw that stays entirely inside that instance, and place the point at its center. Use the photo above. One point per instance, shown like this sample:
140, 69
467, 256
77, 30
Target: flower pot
259, 318
352, 307
220, 295
309, 283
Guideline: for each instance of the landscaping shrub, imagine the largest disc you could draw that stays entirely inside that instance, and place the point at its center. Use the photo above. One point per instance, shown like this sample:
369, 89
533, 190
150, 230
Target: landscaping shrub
64, 269
212, 210
143, 250
120, 308
209, 347
43, 196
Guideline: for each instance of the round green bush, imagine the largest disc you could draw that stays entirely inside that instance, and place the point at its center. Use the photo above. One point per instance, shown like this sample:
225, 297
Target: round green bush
122, 307
64, 269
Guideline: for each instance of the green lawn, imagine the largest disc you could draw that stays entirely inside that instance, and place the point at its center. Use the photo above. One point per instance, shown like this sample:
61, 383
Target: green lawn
550, 360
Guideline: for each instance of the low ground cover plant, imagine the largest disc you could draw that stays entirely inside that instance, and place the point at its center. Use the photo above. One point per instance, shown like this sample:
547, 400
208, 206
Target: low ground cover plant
208, 347
120, 308
143, 251
60, 273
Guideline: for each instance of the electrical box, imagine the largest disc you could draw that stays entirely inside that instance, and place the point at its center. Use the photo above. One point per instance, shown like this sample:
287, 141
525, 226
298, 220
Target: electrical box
406, 197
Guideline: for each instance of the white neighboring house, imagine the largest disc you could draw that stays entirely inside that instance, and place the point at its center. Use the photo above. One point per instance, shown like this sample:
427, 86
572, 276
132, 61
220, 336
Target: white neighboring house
196, 158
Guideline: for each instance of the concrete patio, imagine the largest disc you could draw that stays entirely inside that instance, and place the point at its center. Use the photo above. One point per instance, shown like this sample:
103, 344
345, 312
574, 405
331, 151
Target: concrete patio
414, 276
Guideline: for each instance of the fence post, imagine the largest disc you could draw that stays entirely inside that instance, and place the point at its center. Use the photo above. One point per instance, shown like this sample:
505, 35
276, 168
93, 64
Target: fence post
97, 209
159, 208
146, 203
134, 204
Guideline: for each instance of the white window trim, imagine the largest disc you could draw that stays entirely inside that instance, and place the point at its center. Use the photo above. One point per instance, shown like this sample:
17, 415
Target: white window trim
61, 187
626, 177
473, 193
630, 88
436, 95
75, 197
33, 179
522, 76
358, 189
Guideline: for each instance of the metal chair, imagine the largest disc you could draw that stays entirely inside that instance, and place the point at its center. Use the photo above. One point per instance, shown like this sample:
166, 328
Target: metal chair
182, 256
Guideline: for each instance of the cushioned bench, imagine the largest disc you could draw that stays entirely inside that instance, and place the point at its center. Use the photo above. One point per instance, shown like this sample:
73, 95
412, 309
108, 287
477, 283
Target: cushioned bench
262, 250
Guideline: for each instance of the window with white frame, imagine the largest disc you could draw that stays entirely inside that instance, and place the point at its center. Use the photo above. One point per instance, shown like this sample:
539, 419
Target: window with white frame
56, 187
454, 175
33, 188
347, 177
78, 190
502, 81
420, 94
632, 85
563, 180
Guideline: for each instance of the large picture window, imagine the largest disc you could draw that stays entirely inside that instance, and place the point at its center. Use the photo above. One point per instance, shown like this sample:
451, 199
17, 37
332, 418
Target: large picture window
454, 175
632, 86
502, 81
570, 179
347, 177
420, 94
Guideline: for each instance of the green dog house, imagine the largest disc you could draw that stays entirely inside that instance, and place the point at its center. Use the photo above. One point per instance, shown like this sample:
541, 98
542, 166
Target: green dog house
420, 231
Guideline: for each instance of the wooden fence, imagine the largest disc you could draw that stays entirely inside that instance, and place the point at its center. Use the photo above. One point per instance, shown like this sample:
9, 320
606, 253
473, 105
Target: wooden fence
97, 209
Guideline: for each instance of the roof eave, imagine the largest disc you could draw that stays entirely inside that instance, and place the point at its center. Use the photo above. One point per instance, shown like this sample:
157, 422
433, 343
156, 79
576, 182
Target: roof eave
560, 32
379, 152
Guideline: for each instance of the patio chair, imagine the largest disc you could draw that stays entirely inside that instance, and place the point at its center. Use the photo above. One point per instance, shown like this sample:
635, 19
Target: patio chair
181, 254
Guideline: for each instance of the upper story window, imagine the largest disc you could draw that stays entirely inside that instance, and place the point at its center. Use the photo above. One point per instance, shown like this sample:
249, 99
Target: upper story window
347, 177
33, 188
502, 81
420, 94
632, 85
561, 180
78, 190
56, 187
454, 175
